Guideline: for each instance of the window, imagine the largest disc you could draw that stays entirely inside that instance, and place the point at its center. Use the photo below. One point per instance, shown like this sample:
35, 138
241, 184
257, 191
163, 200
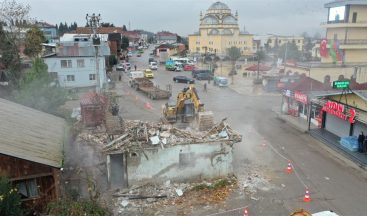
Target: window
27, 188
354, 19
66, 64
80, 63
299, 41
92, 77
280, 41
70, 78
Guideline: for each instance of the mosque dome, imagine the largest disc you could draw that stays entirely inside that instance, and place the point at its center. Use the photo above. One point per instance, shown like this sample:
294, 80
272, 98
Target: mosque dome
218, 6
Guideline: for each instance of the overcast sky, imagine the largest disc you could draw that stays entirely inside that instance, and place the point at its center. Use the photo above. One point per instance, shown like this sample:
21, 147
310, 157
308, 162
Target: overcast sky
284, 17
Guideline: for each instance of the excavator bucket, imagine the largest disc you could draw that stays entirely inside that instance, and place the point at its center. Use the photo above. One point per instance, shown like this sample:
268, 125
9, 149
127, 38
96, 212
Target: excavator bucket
205, 120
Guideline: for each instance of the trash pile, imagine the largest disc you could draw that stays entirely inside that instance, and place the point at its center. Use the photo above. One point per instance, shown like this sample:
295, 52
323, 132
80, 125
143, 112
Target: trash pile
177, 194
138, 133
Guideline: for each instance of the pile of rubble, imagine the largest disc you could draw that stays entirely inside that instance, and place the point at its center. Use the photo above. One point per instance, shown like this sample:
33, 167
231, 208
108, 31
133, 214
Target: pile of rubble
138, 133
177, 194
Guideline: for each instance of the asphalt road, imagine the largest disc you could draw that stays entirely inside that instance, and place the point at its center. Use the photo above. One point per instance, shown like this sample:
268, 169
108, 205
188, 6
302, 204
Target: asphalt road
268, 144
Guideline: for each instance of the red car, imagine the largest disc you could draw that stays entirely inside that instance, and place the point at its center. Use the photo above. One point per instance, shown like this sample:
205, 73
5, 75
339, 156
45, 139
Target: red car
189, 67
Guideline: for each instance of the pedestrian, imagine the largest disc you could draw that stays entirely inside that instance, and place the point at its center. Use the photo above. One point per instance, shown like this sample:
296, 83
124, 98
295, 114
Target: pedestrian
361, 139
205, 90
135, 67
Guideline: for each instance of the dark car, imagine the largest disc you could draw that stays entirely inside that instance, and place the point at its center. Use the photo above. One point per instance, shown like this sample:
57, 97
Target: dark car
196, 72
203, 76
183, 79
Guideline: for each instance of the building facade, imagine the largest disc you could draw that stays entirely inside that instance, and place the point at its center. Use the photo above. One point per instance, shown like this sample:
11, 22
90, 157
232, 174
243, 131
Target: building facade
271, 41
343, 51
218, 31
49, 31
74, 63
346, 30
166, 37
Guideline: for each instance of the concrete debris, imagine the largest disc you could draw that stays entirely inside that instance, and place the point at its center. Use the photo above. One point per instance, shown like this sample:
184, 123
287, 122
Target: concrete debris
179, 192
124, 203
151, 196
155, 140
138, 134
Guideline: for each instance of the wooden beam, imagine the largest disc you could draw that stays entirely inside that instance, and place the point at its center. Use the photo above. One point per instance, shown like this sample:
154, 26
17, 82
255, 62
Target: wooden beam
32, 176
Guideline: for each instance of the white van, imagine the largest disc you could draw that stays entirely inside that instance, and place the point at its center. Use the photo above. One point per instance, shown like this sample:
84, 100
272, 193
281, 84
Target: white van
136, 74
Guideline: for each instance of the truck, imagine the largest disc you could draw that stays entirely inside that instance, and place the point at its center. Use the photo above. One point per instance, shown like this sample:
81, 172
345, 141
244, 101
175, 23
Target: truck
163, 57
146, 86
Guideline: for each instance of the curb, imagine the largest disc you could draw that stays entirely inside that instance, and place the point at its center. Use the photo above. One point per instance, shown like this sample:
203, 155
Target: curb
296, 126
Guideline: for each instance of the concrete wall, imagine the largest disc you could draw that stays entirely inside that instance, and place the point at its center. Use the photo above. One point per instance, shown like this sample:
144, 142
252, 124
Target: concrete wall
180, 163
361, 13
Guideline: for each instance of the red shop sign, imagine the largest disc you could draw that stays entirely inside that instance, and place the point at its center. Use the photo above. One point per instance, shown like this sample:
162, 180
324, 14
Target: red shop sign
338, 110
300, 97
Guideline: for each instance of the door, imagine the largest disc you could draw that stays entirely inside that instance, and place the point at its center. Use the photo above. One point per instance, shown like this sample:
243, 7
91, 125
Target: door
337, 126
354, 19
116, 171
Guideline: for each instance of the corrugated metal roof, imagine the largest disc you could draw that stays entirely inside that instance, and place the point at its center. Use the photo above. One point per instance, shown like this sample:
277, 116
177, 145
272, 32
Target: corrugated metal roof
30, 134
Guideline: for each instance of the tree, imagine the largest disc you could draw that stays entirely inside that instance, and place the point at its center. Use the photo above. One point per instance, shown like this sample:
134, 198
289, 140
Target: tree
33, 42
38, 91
124, 28
10, 58
124, 43
9, 199
107, 24
234, 53
14, 16
289, 51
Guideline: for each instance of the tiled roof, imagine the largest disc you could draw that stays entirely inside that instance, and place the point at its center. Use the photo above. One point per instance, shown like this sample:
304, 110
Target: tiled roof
306, 84
166, 34
100, 30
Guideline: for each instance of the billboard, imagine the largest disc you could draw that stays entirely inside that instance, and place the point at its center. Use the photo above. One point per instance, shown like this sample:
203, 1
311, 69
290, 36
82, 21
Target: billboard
337, 14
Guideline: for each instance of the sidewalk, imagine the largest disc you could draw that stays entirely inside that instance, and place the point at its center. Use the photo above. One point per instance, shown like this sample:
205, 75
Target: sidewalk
329, 139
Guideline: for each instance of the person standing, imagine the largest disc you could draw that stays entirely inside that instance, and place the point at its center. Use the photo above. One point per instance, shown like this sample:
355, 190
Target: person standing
135, 67
361, 139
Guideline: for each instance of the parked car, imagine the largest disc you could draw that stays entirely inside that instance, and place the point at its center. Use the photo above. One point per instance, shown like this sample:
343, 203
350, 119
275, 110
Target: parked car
130, 54
220, 81
153, 66
120, 67
127, 66
188, 67
151, 60
203, 76
194, 73
148, 74
183, 79
138, 55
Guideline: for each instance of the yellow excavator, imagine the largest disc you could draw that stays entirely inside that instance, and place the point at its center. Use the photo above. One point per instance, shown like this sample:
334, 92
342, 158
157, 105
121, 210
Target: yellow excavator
187, 108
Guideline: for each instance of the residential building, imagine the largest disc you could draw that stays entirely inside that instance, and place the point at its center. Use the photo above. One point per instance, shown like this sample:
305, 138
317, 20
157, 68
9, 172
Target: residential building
99, 30
271, 41
74, 64
133, 36
31, 152
166, 37
49, 31
218, 31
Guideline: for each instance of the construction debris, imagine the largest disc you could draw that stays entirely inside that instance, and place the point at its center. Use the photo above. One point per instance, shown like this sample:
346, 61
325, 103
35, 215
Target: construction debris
139, 134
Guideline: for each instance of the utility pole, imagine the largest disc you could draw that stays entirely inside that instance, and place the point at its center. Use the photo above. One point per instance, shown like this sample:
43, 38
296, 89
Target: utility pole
93, 21
285, 57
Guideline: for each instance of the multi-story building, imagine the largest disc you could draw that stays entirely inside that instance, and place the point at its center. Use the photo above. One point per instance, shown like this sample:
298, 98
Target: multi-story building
166, 37
49, 31
343, 51
271, 41
346, 25
219, 31
74, 63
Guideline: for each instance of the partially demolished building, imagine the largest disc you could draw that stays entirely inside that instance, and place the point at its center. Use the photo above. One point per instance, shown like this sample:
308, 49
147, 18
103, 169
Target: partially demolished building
157, 152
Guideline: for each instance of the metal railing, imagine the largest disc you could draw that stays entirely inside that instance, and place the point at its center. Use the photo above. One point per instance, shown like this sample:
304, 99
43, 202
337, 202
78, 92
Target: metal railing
342, 22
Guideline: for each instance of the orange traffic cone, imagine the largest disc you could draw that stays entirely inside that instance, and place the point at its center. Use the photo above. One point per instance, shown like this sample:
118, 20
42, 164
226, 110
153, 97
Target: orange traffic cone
289, 168
307, 197
245, 212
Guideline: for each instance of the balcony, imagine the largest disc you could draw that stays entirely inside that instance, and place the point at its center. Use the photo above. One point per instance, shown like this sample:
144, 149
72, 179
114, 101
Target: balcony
343, 24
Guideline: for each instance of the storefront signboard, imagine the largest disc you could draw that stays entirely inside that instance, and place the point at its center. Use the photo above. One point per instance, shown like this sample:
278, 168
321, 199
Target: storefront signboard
300, 97
341, 84
338, 110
